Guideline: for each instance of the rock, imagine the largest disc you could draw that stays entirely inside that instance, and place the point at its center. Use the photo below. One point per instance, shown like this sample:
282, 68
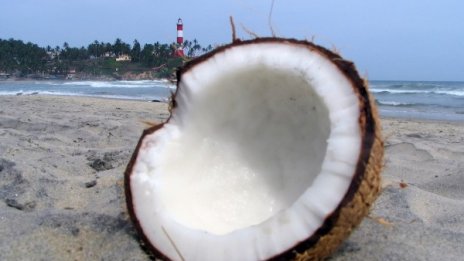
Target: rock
91, 184
414, 135
29, 206
12, 182
100, 165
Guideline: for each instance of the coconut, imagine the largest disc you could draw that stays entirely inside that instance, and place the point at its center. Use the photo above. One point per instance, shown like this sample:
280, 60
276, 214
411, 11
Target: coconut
272, 151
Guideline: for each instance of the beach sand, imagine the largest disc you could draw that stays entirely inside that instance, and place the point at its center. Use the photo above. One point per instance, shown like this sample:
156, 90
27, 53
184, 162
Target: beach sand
61, 184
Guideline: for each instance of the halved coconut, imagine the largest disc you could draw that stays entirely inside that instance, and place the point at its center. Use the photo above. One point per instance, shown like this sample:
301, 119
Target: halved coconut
272, 151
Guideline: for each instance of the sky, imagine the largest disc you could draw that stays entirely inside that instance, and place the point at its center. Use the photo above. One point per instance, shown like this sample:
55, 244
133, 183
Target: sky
387, 40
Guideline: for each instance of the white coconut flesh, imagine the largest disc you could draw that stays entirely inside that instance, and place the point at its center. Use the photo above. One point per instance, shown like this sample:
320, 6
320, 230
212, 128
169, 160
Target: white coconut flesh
261, 147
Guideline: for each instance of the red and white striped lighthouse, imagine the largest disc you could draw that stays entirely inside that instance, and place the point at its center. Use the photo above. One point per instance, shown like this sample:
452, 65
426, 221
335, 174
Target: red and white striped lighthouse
180, 38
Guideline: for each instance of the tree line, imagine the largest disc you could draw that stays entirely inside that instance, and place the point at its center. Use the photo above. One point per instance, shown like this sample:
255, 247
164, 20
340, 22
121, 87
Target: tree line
98, 58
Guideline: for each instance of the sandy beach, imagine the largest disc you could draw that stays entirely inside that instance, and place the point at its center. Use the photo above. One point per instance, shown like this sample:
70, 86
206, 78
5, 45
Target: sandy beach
61, 184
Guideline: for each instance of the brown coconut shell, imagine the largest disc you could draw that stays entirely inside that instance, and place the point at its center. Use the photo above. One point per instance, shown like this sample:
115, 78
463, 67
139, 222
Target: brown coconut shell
363, 190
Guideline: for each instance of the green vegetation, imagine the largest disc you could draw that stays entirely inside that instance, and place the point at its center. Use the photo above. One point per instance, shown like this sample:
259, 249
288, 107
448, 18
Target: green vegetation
98, 59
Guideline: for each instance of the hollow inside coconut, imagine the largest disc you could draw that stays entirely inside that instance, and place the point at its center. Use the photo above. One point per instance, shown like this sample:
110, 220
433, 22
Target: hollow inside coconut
261, 148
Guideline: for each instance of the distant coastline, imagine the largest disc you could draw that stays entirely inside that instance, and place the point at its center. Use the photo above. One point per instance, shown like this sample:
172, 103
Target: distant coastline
128, 76
97, 61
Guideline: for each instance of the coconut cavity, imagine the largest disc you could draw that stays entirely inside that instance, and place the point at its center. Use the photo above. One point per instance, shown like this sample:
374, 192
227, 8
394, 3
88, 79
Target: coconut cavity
250, 146
260, 149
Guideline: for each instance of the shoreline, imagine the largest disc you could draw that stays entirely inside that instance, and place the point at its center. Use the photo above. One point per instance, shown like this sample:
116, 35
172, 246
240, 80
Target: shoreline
414, 104
62, 161
407, 117
144, 90
423, 116
82, 97
424, 120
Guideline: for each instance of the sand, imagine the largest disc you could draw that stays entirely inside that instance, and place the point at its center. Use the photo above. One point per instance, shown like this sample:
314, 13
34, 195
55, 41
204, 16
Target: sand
420, 213
61, 174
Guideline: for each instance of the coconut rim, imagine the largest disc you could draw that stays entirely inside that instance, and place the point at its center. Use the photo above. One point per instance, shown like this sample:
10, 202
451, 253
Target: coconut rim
367, 128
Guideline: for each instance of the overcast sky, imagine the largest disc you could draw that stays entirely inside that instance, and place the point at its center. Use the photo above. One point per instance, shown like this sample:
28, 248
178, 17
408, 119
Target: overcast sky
387, 39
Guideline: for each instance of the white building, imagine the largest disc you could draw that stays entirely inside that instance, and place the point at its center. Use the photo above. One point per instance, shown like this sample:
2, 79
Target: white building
123, 57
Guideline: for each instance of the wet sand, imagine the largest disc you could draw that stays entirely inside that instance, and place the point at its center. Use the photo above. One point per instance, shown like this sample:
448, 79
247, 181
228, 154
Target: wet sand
61, 174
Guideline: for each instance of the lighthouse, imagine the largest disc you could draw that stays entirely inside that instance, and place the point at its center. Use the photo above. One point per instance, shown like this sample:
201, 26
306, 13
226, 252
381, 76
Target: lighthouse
180, 39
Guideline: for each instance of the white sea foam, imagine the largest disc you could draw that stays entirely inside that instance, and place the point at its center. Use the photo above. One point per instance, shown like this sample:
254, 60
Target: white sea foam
60, 93
35, 92
452, 92
120, 84
394, 96
393, 91
394, 103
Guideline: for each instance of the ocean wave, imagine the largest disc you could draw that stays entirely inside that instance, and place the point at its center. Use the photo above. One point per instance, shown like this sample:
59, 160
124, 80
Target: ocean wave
440, 92
392, 91
35, 92
9, 93
96, 95
452, 92
120, 84
416, 85
394, 103
416, 104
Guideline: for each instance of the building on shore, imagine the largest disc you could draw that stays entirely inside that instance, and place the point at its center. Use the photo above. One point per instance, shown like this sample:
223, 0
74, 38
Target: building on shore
123, 58
4, 75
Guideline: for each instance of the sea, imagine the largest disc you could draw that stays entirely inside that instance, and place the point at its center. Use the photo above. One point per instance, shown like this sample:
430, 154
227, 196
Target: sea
420, 100
148, 90
402, 99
